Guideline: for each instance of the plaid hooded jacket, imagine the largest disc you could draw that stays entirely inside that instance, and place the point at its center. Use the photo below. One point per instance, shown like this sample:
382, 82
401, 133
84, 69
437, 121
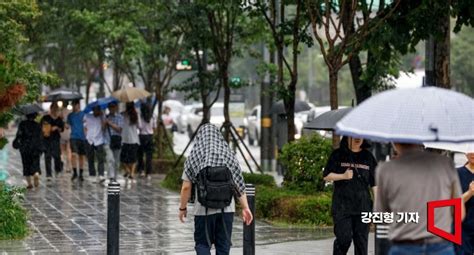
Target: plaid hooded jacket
211, 150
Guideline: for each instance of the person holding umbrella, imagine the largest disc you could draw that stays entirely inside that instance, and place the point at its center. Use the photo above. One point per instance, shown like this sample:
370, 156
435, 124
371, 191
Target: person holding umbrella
131, 122
407, 118
147, 128
352, 169
52, 125
78, 142
94, 127
466, 176
29, 141
114, 123
130, 140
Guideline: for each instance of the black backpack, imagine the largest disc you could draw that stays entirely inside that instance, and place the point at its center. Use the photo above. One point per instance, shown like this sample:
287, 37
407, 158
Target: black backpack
215, 187
215, 190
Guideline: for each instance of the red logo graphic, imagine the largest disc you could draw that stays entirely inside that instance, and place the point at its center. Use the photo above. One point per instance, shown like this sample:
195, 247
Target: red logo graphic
457, 204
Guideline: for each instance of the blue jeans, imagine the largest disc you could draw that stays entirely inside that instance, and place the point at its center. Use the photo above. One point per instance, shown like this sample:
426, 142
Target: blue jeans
217, 233
443, 248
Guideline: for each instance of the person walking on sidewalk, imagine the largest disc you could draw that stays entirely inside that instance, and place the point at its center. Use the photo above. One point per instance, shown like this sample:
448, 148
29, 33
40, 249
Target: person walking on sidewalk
130, 140
212, 162
95, 134
114, 123
29, 141
146, 128
52, 126
406, 184
466, 176
352, 169
66, 154
78, 142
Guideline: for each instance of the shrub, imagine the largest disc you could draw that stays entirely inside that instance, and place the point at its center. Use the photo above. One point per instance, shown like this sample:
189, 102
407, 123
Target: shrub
173, 179
291, 206
304, 161
259, 179
13, 219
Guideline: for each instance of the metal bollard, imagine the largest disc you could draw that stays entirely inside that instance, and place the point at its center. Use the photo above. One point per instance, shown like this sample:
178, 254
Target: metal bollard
249, 231
113, 218
382, 244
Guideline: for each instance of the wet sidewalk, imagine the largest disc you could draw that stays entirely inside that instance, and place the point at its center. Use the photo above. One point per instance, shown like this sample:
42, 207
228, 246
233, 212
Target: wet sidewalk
71, 218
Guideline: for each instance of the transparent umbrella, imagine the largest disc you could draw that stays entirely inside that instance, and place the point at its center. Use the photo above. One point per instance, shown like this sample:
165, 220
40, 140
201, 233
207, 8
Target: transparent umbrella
416, 115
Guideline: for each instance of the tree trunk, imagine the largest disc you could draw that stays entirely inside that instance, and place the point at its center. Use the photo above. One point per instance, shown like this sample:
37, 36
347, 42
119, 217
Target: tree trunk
225, 84
362, 90
101, 75
203, 83
333, 101
116, 77
161, 131
290, 109
442, 53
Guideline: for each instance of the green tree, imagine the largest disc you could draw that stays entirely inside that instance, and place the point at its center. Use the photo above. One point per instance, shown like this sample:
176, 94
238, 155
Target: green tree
231, 30
194, 25
287, 30
462, 65
340, 33
19, 80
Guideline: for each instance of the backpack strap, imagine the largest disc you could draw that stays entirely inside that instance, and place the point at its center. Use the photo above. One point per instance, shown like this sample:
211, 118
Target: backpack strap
207, 231
227, 236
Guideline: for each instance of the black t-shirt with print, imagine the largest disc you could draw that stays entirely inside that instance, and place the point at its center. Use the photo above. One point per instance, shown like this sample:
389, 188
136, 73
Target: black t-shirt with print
352, 196
58, 122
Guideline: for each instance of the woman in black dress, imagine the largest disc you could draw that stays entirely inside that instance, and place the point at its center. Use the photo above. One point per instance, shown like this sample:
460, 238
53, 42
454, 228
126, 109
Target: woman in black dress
29, 139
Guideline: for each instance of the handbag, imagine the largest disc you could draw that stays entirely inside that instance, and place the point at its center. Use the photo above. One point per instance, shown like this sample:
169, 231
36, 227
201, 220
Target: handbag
16, 143
115, 142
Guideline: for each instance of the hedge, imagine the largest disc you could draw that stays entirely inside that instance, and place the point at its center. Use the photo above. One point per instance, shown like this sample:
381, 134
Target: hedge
274, 203
281, 204
259, 179
13, 217
173, 179
304, 161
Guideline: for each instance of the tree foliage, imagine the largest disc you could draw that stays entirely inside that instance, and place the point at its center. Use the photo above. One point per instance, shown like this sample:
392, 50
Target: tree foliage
19, 80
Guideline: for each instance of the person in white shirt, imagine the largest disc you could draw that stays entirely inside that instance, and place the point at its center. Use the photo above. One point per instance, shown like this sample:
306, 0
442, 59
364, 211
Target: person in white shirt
130, 140
94, 128
146, 130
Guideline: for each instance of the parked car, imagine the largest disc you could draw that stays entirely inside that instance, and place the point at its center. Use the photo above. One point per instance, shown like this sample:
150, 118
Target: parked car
182, 119
194, 117
252, 123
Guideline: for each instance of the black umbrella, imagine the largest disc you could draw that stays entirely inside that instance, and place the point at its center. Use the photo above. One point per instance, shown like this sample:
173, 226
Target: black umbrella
28, 109
63, 94
327, 120
279, 107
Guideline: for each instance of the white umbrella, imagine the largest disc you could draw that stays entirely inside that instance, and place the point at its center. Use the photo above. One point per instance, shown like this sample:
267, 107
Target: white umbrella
129, 94
416, 115
456, 147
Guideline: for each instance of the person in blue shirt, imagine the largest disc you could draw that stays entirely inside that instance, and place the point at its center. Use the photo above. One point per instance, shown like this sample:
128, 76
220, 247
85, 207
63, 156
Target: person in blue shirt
466, 176
78, 139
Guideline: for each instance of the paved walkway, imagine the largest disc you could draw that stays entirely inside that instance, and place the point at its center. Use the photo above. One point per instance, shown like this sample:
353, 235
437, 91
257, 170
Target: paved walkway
70, 218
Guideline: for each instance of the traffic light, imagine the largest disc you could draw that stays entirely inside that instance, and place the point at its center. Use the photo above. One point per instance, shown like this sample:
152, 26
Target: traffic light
235, 81
184, 65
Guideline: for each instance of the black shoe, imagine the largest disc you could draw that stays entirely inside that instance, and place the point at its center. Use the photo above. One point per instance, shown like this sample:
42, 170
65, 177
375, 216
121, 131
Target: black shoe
125, 175
74, 176
81, 178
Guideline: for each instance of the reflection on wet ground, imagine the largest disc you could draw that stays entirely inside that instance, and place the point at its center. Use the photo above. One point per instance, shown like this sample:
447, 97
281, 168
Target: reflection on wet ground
68, 217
